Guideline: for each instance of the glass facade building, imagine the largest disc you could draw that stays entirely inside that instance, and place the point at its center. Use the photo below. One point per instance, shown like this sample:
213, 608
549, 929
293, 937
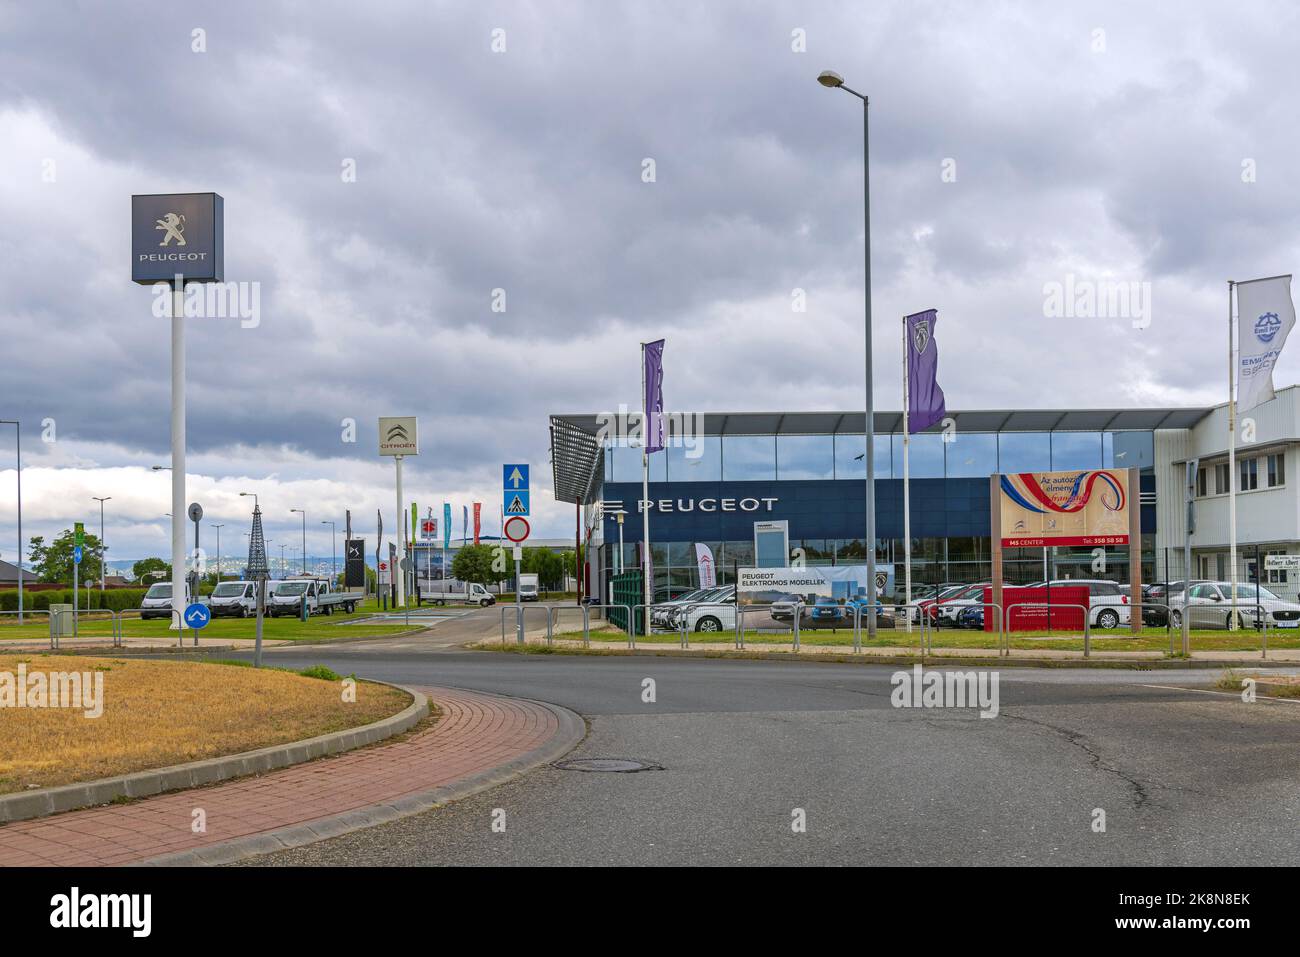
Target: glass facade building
808, 469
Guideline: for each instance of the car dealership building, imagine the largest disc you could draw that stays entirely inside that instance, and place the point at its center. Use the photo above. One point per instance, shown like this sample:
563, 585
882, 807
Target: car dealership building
724, 472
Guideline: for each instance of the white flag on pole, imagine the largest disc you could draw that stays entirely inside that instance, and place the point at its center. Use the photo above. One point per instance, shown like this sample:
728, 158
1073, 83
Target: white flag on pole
708, 571
1265, 316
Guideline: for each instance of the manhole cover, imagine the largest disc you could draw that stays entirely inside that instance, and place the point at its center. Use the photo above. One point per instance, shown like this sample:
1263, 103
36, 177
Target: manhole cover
616, 765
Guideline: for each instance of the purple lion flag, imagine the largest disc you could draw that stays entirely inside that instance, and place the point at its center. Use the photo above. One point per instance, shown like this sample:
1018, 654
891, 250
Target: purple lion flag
654, 395
924, 397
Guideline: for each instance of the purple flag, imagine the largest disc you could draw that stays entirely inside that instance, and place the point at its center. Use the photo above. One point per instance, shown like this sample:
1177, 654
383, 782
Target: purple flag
654, 395
924, 397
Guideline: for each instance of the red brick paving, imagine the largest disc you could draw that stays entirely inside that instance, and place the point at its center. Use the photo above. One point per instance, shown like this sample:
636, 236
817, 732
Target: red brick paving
475, 733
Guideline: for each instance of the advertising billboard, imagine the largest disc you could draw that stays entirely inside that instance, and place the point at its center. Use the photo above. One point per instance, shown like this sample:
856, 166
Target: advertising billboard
838, 583
1089, 507
177, 233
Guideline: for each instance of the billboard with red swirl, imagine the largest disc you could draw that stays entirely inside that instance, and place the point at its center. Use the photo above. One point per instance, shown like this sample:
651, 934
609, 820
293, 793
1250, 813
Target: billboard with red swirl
1065, 508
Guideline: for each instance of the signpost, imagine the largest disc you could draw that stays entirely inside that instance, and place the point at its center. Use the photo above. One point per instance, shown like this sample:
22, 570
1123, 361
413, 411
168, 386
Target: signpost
197, 615
515, 506
398, 438
354, 563
177, 238
76, 567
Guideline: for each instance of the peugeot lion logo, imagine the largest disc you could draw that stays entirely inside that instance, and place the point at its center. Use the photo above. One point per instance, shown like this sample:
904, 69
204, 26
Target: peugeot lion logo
921, 336
397, 432
173, 226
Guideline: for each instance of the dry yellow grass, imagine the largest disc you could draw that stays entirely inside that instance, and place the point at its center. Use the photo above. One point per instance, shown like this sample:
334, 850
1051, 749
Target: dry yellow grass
159, 713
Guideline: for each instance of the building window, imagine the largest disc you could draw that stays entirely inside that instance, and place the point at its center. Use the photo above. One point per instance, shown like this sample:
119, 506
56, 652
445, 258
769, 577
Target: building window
1221, 479
805, 457
1200, 483
850, 459
1249, 475
1024, 452
972, 455
700, 463
1276, 470
748, 458
1076, 450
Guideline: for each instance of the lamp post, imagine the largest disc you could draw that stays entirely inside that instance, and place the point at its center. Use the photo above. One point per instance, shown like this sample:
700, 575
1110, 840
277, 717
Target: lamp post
834, 81
303, 513
103, 572
18, 456
334, 554
218, 527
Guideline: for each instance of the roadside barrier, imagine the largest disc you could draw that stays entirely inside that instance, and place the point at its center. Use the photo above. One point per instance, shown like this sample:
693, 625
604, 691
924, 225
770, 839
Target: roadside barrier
743, 610
923, 622
1213, 615
521, 616
586, 623
49, 617
1087, 638
176, 613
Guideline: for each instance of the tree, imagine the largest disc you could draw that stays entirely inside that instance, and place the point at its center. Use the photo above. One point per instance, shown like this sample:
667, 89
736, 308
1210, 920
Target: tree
146, 565
475, 563
53, 562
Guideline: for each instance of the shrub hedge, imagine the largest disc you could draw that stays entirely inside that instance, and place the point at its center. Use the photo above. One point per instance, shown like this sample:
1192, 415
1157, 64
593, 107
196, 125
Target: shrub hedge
116, 599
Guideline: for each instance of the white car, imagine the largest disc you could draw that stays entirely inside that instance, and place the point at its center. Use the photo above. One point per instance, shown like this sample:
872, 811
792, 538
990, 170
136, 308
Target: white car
726, 595
1108, 601
719, 615
1210, 607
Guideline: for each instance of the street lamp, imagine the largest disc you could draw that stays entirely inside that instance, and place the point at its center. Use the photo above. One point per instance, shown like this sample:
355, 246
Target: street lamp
254, 494
218, 527
103, 573
834, 81
18, 456
334, 553
303, 513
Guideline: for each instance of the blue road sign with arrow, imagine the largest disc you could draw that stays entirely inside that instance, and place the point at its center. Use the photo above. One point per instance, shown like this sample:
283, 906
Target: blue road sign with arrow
76, 554
197, 615
514, 481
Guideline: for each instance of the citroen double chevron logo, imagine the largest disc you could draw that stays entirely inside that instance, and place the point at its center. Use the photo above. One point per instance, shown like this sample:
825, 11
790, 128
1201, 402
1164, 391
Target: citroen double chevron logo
398, 432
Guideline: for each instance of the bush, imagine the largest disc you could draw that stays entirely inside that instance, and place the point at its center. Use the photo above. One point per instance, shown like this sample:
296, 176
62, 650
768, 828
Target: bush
115, 600
320, 671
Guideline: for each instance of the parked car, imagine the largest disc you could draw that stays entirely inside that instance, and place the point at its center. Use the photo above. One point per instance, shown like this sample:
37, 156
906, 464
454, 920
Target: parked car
234, 599
157, 601
926, 605
719, 614
946, 610
722, 601
971, 616
662, 612
1108, 601
1209, 606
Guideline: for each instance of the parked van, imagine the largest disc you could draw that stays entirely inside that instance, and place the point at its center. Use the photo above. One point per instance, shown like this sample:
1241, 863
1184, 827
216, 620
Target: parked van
234, 599
157, 601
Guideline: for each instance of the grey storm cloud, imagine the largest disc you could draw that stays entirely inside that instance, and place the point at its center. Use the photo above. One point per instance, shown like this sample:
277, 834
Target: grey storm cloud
522, 171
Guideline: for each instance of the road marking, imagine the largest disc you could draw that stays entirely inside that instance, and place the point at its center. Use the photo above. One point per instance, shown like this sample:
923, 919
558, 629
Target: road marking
1230, 694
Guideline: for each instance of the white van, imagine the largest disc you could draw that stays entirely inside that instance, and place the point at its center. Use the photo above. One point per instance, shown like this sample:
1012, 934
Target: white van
157, 601
236, 599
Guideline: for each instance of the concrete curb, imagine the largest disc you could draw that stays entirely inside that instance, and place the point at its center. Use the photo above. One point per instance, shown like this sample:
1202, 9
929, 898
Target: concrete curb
1130, 664
70, 797
569, 734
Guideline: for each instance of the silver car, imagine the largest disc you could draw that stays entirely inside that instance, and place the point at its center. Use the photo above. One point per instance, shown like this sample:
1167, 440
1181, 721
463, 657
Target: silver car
1208, 606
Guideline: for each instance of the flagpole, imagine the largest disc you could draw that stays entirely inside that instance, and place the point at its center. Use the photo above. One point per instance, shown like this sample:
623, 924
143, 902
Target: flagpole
645, 496
1232, 471
907, 493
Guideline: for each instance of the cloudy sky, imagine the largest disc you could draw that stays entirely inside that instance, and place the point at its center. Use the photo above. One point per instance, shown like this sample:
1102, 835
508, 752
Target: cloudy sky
504, 146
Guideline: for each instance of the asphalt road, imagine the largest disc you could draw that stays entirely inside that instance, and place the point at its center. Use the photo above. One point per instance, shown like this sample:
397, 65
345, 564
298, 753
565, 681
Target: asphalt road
1182, 776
